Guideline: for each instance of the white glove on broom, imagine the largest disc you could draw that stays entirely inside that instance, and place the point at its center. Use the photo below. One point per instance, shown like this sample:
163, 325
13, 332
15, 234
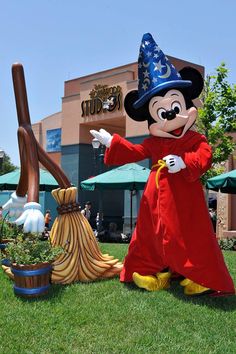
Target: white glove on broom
15, 205
32, 218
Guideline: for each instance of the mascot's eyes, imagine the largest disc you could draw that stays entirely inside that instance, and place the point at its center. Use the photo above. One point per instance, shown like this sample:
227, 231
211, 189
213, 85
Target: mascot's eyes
176, 106
161, 112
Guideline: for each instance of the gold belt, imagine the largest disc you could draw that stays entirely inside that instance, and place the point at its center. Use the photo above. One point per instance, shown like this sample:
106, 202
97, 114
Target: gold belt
160, 164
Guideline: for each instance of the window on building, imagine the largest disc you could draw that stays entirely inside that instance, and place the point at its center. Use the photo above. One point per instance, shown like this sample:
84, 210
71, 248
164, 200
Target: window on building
53, 140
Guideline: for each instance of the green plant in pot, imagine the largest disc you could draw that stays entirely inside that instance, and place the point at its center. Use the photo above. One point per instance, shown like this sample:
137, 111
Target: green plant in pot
8, 232
4, 230
31, 259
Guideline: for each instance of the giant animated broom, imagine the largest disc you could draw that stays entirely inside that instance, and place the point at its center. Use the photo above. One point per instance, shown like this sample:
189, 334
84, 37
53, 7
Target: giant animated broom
82, 259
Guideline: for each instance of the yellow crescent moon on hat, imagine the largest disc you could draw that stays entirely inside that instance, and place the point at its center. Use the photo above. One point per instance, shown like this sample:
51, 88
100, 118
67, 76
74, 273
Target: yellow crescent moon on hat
147, 81
167, 74
146, 65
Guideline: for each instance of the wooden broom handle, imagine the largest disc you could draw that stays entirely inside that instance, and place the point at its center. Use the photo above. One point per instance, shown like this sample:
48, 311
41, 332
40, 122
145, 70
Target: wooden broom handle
35, 151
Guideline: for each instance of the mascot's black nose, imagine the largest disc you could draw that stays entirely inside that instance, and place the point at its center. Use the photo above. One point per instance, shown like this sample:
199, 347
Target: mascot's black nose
170, 114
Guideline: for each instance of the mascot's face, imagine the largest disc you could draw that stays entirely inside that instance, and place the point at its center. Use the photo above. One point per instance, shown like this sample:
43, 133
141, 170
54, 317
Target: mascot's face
172, 118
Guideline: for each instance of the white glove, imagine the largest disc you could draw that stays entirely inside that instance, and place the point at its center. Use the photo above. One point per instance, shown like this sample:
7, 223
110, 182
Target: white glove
15, 205
103, 136
174, 163
32, 218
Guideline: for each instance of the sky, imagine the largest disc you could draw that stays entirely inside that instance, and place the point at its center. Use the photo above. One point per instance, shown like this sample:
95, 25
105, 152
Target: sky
58, 40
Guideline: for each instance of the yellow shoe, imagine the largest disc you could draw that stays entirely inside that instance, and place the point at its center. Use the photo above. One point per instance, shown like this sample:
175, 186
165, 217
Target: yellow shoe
148, 282
194, 289
152, 283
164, 280
186, 282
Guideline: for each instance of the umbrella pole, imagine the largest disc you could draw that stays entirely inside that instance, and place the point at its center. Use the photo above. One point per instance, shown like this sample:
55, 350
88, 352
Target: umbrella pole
131, 211
100, 209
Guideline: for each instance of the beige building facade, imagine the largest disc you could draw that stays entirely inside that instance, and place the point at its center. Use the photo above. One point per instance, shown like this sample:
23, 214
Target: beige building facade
226, 206
65, 135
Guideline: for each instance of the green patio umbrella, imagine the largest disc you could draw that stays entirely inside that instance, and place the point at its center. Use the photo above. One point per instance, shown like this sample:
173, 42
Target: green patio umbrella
130, 176
10, 180
127, 177
226, 183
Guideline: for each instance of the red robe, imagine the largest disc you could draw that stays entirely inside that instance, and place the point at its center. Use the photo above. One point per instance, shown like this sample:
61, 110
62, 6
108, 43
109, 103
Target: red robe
173, 227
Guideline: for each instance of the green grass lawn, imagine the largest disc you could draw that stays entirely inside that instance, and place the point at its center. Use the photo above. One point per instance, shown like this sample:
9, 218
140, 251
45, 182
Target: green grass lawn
109, 317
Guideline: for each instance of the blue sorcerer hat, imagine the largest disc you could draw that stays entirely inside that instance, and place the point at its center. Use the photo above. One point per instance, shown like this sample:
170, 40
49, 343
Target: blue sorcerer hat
155, 71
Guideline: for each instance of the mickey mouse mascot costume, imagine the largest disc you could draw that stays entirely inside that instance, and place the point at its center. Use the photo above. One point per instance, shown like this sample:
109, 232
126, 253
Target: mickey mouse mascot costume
173, 229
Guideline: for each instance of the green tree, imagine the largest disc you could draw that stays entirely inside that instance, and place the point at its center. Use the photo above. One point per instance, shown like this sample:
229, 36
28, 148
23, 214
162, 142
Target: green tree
6, 165
217, 118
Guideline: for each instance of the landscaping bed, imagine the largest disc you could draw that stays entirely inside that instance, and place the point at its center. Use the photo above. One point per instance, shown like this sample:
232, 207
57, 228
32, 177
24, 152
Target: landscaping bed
110, 317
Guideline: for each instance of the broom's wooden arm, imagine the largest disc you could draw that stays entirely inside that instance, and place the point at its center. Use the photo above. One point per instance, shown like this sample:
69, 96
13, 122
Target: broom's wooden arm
30, 150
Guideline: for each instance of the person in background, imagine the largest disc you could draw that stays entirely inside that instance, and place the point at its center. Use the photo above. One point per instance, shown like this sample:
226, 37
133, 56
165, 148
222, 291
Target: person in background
47, 219
0, 212
87, 210
213, 216
98, 221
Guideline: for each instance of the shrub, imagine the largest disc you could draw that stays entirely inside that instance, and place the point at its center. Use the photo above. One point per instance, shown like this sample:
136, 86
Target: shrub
227, 244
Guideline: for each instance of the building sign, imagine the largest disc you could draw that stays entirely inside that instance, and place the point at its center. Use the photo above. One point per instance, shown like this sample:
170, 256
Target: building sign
102, 99
53, 140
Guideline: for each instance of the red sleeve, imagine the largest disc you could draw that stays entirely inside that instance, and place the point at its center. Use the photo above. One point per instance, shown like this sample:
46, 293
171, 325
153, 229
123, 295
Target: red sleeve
122, 151
197, 161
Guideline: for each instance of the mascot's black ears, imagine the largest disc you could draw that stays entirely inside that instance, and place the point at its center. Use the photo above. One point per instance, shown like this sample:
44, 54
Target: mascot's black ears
142, 113
189, 73
139, 114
